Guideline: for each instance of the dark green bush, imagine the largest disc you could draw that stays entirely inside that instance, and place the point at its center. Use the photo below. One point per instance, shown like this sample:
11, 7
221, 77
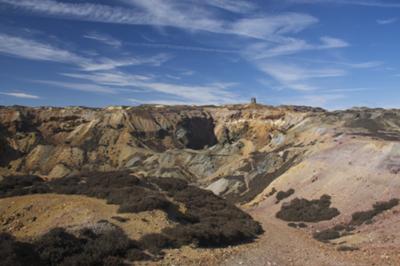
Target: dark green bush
156, 242
284, 194
358, 218
347, 248
120, 219
307, 210
15, 253
299, 225
327, 234
56, 245
208, 221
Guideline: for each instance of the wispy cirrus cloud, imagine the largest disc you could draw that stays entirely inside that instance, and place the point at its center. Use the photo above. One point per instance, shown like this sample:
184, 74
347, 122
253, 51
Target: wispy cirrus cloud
386, 21
20, 95
354, 65
320, 99
271, 27
264, 37
103, 38
217, 92
36, 50
184, 48
179, 14
294, 77
160, 101
289, 46
86, 87
367, 3
237, 6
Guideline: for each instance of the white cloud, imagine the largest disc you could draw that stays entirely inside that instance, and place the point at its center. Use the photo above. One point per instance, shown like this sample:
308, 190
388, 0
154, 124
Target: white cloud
317, 99
386, 21
236, 6
270, 27
108, 64
287, 72
34, 50
104, 38
330, 42
111, 78
295, 77
183, 47
368, 3
20, 95
361, 65
161, 101
86, 87
179, 14
217, 92
31, 49
290, 46
369, 64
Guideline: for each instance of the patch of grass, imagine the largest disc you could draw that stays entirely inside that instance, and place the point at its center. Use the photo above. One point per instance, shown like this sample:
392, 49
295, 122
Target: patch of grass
303, 210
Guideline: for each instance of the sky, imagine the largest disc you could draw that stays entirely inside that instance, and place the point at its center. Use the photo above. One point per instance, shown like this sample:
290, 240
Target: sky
334, 54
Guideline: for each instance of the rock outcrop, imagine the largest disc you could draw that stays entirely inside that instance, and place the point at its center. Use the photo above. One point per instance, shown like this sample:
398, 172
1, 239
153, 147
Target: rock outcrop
236, 150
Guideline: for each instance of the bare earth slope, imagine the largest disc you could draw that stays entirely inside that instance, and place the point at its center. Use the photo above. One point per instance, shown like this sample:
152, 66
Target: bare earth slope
261, 158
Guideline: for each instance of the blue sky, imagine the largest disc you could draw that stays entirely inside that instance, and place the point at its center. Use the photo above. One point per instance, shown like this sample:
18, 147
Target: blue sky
330, 53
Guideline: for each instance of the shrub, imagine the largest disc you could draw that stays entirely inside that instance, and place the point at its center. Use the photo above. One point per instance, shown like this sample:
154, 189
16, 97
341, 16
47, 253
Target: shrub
327, 234
56, 245
358, 218
108, 247
301, 225
156, 242
347, 248
135, 254
307, 210
284, 194
272, 192
120, 219
14, 253
208, 220
294, 225
21, 185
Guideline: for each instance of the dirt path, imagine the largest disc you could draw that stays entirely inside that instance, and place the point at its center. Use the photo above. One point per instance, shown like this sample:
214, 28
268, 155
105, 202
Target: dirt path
283, 245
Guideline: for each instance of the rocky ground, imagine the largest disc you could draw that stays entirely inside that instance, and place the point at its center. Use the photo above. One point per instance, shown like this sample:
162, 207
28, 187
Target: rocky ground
258, 157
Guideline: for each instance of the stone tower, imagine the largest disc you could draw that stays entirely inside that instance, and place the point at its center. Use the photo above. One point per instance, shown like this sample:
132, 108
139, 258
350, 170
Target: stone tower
253, 100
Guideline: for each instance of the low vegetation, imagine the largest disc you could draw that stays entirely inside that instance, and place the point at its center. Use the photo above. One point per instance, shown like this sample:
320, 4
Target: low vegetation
59, 247
347, 248
358, 218
303, 210
327, 234
209, 221
283, 195
272, 192
298, 225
